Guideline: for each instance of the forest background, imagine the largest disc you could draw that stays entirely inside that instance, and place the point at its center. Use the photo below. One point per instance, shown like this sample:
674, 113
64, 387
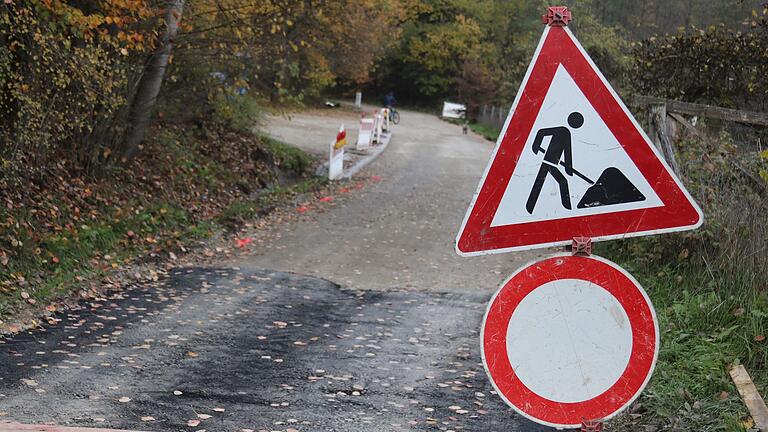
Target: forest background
127, 128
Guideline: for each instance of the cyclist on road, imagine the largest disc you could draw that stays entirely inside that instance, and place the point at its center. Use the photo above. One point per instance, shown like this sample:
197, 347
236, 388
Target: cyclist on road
389, 103
389, 100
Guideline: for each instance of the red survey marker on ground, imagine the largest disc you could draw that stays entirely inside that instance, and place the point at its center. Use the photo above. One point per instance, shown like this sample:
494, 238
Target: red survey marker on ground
570, 338
571, 161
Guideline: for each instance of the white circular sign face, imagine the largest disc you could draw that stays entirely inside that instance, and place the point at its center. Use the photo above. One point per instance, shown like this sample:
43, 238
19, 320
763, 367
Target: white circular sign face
569, 340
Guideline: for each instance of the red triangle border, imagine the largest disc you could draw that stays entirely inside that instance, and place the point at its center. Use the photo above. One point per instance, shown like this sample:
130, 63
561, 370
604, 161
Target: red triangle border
679, 212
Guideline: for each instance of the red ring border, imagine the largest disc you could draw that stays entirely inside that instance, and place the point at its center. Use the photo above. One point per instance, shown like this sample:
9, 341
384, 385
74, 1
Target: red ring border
612, 278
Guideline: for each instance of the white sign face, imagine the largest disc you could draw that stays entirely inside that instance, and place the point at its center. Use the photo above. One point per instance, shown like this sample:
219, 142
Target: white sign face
336, 165
377, 128
454, 110
535, 191
365, 134
570, 340
336, 155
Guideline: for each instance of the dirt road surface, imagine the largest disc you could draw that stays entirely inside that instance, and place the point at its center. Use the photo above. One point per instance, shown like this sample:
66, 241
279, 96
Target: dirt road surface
398, 234
359, 318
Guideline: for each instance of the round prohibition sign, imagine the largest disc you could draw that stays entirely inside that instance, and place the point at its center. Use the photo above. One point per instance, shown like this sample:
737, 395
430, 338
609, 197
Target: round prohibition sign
570, 338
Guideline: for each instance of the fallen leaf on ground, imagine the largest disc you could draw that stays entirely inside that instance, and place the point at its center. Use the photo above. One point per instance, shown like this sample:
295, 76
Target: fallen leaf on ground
192, 354
326, 199
124, 399
241, 243
193, 423
147, 418
204, 416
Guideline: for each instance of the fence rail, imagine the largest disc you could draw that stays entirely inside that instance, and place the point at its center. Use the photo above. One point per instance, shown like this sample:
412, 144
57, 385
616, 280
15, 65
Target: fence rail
687, 108
492, 115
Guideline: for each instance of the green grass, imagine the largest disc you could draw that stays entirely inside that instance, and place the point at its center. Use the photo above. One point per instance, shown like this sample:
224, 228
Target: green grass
76, 249
291, 158
708, 319
251, 208
51, 263
56, 262
490, 133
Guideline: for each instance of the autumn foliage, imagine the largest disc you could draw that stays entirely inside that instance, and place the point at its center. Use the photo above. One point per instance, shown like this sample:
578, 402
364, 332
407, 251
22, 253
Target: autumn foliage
72, 72
126, 124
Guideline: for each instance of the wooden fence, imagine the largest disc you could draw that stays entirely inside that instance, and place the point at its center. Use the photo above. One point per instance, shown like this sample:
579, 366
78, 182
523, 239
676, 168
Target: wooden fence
665, 114
493, 116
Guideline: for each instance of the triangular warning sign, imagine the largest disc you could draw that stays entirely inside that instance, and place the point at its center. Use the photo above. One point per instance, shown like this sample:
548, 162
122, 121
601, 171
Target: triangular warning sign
571, 161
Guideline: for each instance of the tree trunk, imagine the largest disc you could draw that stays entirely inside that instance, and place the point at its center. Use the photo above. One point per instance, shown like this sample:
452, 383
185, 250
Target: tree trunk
149, 85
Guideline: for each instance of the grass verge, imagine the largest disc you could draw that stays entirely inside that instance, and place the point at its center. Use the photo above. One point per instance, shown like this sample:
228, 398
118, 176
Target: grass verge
64, 233
490, 133
709, 319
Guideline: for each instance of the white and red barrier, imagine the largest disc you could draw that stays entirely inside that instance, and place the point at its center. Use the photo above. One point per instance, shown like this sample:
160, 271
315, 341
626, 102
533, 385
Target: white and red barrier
336, 160
377, 127
385, 119
365, 134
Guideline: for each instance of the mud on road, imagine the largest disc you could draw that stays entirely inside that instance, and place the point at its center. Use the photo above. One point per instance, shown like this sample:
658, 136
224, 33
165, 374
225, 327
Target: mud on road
248, 349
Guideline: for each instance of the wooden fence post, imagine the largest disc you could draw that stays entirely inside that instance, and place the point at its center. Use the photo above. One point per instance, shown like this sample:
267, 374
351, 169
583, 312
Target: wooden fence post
659, 132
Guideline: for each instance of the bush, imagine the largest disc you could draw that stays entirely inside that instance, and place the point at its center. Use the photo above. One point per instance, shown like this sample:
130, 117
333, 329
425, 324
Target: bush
709, 285
60, 92
237, 112
719, 66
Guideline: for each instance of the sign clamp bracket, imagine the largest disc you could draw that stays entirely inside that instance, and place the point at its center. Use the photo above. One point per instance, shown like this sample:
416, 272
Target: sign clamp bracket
557, 16
581, 246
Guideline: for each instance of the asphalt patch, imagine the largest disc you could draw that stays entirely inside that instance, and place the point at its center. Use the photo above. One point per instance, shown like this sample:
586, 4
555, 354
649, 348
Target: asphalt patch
228, 349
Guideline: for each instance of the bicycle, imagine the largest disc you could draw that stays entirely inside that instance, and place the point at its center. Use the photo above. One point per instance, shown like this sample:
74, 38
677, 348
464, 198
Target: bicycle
394, 116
